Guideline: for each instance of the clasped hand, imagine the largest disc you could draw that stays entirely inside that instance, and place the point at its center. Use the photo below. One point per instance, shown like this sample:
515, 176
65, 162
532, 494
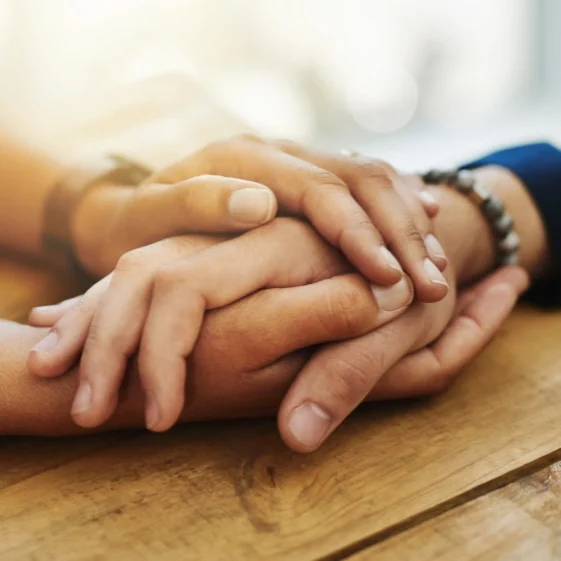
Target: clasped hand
345, 295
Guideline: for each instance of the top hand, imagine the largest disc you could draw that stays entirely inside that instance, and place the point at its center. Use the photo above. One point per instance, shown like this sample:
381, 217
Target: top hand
226, 187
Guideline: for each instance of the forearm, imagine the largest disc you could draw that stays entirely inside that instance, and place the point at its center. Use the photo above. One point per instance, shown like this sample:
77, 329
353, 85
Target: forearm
26, 177
467, 238
37, 406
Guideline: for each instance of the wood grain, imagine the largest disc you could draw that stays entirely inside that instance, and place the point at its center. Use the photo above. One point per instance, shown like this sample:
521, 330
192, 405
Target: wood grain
227, 491
519, 522
22, 458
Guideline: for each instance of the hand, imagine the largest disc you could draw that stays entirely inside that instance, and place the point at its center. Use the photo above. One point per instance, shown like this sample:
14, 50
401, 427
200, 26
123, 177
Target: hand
387, 363
352, 201
247, 356
479, 313
112, 220
243, 362
155, 302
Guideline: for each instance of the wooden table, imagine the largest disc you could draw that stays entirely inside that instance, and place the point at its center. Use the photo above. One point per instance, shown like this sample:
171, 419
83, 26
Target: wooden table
469, 475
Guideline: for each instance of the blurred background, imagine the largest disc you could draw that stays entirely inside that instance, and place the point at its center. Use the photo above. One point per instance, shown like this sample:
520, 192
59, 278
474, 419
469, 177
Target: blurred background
418, 82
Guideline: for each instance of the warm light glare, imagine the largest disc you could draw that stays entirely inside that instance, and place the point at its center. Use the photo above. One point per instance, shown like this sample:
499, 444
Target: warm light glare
294, 68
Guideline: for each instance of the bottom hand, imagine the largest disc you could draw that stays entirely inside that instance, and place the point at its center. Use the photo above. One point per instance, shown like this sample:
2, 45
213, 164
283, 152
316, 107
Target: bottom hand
378, 366
230, 379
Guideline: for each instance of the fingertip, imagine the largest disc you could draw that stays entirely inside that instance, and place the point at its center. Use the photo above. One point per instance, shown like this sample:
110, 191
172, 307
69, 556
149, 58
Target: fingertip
157, 421
430, 204
436, 252
384, 269
430, 292
441, 261
88, 410
519, 278
430, 284
305, 428
504, 290
252, 206
44, 316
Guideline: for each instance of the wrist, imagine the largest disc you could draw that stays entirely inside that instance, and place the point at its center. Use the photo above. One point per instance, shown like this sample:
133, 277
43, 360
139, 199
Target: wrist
72, 233
92, 221
467, 237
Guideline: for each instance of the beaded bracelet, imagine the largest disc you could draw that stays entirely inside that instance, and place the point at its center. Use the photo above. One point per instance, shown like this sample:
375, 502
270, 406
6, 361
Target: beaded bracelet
502, 224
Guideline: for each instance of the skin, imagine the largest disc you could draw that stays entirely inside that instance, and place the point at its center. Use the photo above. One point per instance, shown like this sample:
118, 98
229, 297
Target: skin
227, 381
231, 185
164, 289
350, 370
199, 192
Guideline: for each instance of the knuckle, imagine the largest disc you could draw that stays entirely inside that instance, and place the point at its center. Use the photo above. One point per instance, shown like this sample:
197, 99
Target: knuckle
231, 141
130, 262
352, 382
385, 167
286, 145
321, 183
411, 234
326, 180
217, 148
376, 170
350, 310
199, 180
343, 303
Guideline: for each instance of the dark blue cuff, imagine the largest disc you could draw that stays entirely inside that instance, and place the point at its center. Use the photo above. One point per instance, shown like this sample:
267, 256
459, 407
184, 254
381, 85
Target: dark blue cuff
539, 167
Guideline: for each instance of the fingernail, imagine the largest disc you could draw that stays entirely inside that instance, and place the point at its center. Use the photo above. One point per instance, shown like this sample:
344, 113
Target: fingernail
394, 297
428, 198
83, 398
48, 343
390, 259
309, 424
152, 411
433, 247
433, 273
252, 206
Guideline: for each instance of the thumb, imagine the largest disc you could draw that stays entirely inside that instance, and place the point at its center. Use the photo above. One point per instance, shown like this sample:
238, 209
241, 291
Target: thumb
206, 204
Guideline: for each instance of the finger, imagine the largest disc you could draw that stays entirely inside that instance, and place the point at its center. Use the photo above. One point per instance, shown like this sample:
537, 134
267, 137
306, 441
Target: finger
293, 318
414, 183
60, 349
183, 291
118, 323
335, 381
115, 328
47, 316
430, 205
432, 369
373, 185
410, 193
206, 204
303, 188
374, 189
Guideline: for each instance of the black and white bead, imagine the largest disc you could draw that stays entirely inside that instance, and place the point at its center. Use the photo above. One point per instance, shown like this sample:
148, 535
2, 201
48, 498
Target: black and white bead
502, 224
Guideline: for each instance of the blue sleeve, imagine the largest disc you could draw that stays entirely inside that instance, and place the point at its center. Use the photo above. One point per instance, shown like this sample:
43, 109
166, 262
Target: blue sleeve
539, 167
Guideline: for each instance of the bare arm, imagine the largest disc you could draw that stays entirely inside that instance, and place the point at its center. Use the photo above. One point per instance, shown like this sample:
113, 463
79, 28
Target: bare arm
228, 376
